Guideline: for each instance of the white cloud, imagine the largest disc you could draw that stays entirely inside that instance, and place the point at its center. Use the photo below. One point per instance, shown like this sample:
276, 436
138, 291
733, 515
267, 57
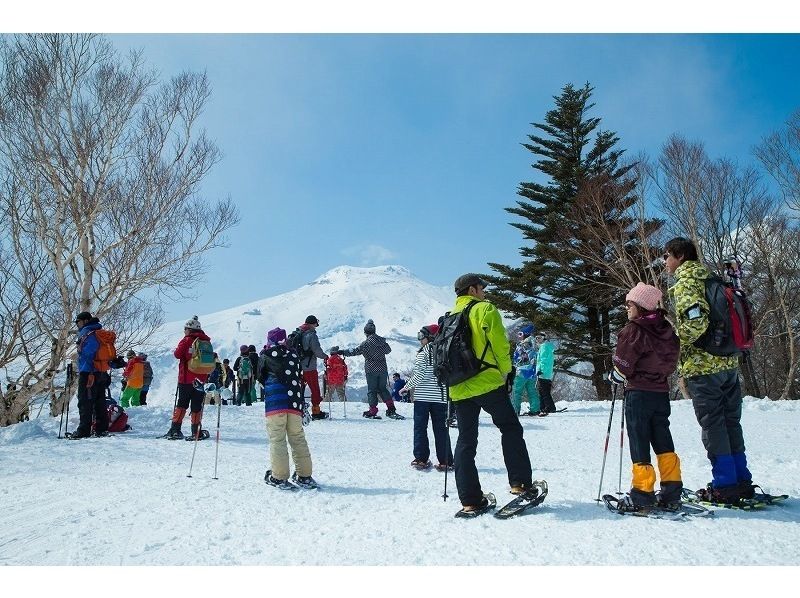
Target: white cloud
369, 255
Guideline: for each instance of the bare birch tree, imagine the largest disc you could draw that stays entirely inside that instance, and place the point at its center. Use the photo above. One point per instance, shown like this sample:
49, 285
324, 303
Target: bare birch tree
100, 166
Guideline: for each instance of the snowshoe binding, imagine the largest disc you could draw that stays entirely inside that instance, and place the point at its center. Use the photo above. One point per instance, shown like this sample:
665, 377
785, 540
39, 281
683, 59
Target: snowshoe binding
392, 414
203, 435
444, 467
488, 503
421, 465
530, 498
671, 511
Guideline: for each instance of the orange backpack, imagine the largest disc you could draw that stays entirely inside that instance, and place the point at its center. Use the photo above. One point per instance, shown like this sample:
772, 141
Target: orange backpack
106, 351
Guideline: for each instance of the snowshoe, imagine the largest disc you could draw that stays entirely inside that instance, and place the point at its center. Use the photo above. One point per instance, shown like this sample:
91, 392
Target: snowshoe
307, 482
394, 415
76, 435
421, 465
320, 415
713, 497
202, 436
280, 484
369, 415
673, 511
532, 497
488, 503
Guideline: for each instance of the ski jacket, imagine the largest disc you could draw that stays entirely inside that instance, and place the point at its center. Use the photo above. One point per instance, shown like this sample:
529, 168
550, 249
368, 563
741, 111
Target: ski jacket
283, 381
544, 361
335, 370
311, 343
487, 328
688, 296
218, 376
183, 353
374, 349
423, 380
647, 353
134, 373
87, 347
148, 374
237, 366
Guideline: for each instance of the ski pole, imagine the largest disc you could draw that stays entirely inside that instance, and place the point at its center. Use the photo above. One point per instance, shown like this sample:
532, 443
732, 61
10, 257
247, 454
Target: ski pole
344, 400
605, 449
197, 433
329, 392
447, 465
216, 451
66, 394
621, 442
175, 406
67, 399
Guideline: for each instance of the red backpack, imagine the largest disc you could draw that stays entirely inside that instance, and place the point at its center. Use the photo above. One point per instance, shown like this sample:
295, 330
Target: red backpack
730, 328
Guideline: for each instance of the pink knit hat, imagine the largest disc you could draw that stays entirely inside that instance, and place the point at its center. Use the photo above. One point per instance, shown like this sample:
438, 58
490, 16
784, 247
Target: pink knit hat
644, 295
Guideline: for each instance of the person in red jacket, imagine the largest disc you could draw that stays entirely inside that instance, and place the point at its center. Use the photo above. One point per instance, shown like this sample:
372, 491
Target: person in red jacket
188, 396
646, 354
335, 376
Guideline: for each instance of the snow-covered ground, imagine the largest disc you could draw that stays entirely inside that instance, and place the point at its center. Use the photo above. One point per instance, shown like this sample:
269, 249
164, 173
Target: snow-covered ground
127, 500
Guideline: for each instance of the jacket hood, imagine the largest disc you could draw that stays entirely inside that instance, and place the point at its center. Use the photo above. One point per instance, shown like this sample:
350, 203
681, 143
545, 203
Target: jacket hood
89, 328
199, 334
656, 326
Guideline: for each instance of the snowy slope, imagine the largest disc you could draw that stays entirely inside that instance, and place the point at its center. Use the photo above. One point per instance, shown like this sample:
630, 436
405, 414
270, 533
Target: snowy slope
343, 299
374, 509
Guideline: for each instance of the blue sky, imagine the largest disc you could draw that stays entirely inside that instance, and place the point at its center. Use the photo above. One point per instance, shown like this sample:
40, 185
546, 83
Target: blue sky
373, 149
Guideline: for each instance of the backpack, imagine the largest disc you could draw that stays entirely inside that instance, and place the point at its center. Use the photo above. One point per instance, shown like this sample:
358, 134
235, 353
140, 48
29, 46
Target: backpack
117, 418
106, 351
295, 341
245, 368
453, 358
730, 328
202, 360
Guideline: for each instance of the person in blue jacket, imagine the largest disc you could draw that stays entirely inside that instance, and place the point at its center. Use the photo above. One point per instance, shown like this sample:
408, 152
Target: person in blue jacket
544, 374
397, 384
91, 384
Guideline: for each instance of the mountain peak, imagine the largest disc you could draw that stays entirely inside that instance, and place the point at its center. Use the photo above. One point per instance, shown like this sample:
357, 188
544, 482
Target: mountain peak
352, 273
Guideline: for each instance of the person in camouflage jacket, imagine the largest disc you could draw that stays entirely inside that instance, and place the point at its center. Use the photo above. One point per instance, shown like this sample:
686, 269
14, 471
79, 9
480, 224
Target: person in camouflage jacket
712, 381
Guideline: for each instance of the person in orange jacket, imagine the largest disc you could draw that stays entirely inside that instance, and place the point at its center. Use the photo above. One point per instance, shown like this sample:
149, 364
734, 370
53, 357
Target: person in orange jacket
134, 380
335, 376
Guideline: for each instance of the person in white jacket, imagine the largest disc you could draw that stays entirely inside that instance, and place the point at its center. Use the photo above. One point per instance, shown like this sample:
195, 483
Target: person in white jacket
430, 398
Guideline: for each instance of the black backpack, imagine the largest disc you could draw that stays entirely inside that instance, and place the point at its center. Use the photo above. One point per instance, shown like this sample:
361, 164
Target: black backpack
295, 341
730, 328
454, 361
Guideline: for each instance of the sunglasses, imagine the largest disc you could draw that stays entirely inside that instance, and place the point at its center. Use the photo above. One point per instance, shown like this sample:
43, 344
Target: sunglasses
665, 256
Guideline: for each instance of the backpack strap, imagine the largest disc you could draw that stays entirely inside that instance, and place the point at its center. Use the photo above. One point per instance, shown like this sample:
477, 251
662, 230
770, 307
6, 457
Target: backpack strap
485, 365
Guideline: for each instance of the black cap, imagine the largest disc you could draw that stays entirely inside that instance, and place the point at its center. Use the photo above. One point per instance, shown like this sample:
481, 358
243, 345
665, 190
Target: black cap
312, 320
465, 281
84, 315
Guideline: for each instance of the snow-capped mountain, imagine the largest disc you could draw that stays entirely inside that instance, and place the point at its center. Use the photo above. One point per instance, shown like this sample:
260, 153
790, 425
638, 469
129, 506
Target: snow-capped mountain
343, 299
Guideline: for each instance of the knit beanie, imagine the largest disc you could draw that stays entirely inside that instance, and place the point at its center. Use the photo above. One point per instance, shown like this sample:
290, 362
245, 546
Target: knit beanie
645, 296
312, 320
527, 330
369, 327
193, 324
276, 336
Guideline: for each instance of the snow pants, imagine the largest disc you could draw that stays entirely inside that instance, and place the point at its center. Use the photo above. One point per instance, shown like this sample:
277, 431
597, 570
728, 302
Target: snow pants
376, 385
244, 392
130, 396
527, 386
283, 427
188, 398
717, 401
545, 397
647, 420
515, 453
438, 416
339, 388
311, 380
92, 403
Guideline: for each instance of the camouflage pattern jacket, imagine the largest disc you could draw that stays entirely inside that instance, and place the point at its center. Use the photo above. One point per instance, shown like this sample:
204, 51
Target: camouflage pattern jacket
688, 296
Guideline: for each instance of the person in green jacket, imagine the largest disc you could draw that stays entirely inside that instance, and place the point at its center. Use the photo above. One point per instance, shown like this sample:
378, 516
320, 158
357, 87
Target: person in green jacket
485, 390
712, 381
544, 374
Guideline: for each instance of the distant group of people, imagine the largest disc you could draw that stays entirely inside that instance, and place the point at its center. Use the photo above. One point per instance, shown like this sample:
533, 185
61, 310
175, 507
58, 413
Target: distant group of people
648, 350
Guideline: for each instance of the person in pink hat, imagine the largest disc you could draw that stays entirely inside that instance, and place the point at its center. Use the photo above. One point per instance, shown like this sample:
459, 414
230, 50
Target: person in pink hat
646, 354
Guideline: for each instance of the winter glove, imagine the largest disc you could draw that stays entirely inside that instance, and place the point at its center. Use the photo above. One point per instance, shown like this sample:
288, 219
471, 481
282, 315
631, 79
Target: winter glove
615, 377
90, 381
334, 350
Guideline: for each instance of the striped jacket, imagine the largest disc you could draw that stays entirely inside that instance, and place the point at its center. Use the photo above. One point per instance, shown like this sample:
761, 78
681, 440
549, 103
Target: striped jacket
374, 349
423, 381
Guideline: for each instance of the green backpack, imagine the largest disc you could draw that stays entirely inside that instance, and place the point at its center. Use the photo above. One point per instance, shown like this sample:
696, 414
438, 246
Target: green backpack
202, 360
245, 368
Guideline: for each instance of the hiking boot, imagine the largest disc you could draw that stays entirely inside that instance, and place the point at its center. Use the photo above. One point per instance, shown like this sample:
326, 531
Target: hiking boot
669, 506
369, 414
77, 434
746, 489
101, 434
443, 467
727, 495
519, 488
627, 505
420, 464
488, 502
320, 415
306, 482
281, 484
175, 434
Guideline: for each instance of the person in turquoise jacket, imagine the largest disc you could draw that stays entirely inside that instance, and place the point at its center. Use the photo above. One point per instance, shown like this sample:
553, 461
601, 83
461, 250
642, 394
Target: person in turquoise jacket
485, 390
544, 374
525, 378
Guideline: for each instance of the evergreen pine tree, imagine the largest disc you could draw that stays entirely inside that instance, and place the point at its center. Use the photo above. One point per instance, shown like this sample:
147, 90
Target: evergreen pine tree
557, 287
